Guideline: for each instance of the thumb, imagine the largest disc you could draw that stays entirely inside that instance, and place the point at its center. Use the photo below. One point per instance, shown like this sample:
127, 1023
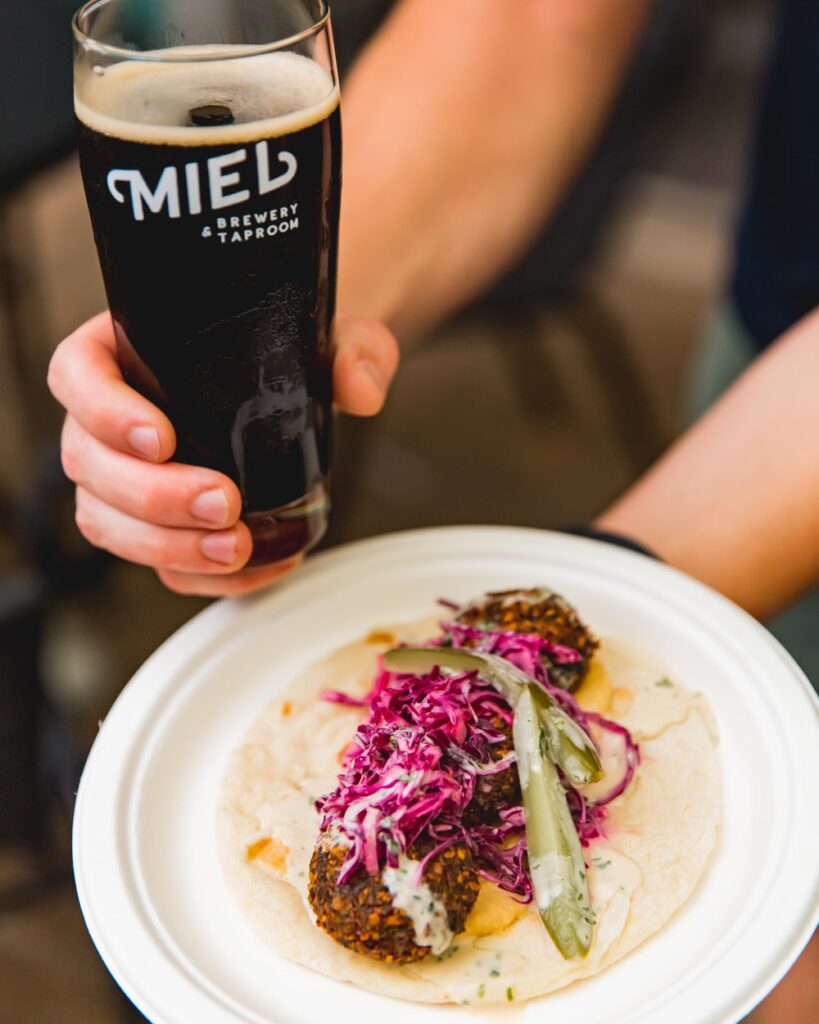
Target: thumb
366, 361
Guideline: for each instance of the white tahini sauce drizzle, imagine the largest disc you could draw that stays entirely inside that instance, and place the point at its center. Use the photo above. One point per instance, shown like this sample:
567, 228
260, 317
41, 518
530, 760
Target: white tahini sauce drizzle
546, 873
427, 913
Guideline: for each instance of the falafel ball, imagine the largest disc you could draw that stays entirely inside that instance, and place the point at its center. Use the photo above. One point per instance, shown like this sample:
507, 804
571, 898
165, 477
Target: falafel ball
542, 612
360, 914
495, 791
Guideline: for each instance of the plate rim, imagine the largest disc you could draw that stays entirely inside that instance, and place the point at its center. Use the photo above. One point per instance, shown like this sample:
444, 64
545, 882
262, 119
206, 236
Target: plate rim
218, 618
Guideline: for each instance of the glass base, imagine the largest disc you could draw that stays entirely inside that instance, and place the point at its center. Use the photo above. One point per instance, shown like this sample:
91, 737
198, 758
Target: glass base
289, 530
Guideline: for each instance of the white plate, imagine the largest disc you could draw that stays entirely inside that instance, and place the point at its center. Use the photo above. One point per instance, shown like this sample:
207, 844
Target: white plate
145, 861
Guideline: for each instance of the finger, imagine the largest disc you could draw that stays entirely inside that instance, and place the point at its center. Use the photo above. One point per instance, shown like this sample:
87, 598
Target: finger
166, 495
245, 582
366, 361
161, 547
84, 376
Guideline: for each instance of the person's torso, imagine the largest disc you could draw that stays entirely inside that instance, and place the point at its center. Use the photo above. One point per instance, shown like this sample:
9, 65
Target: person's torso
776, 280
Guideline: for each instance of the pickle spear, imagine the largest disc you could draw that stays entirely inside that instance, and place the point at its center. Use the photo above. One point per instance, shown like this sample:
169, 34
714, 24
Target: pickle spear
571, 747
556, 864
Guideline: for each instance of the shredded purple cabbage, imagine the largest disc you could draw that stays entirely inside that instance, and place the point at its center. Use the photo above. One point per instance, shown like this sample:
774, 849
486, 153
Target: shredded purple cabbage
523, 649
412, 767
630, 750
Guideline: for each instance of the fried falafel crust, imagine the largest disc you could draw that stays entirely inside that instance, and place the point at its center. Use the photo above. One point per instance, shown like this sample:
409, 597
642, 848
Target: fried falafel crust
495, 791
360, 914
537, 611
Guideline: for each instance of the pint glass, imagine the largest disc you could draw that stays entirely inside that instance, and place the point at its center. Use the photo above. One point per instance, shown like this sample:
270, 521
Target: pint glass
209, 142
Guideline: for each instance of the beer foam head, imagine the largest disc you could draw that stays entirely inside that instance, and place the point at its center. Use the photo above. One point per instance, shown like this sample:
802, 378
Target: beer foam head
151, 101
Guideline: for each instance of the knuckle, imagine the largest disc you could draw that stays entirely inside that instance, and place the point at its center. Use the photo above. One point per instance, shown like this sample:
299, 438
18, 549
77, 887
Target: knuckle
392, 352
162, 550
54, 375
73, 451
173, 582
146, 502
86, 524
68, 457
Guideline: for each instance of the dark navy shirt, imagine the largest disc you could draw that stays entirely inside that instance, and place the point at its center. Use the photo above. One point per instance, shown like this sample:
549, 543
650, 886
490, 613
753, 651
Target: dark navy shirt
776, 279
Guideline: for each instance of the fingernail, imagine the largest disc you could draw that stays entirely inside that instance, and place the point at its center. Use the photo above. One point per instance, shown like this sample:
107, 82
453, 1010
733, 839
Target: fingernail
145, 441
373, 371
219, 547
211, 506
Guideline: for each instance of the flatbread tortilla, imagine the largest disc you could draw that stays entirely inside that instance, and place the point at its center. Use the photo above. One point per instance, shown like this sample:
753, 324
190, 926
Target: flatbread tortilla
660, 835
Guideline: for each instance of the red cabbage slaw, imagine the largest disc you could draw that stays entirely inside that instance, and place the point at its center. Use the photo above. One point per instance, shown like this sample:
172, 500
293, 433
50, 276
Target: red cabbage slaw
526, 650
412, 768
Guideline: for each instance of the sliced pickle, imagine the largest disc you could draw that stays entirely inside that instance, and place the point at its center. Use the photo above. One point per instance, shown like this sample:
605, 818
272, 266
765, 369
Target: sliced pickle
571, 747
556, 865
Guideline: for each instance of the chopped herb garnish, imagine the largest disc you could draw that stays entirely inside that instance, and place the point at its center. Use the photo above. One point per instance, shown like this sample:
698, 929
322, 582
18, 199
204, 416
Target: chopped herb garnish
665, 682
602, 864
481, 990
494, 973
510, 995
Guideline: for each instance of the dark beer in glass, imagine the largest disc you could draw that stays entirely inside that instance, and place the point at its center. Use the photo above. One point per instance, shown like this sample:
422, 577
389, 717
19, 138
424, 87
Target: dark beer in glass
209, 141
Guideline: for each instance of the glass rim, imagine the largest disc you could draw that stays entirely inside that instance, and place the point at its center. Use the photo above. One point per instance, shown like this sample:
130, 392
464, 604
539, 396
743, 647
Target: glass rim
106, 49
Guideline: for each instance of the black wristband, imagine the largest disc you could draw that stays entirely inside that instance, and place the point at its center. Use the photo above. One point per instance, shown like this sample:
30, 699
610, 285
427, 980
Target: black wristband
584, 530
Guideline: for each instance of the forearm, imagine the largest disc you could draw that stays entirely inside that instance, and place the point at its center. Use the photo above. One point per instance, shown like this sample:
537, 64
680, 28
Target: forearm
464, 123
735, 502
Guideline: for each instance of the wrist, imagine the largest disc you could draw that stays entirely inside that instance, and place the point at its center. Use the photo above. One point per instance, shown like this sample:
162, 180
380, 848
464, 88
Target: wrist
593, 532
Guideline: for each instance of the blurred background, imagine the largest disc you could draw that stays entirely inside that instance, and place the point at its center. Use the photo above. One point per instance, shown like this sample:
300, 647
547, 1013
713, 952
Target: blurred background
577, 365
